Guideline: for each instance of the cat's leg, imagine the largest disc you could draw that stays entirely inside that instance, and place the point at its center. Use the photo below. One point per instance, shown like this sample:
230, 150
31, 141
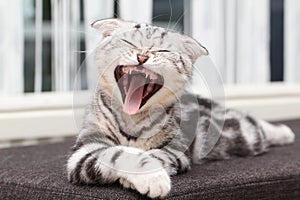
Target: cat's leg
277, 134
172, 159
236, 135
101, 163
82, 166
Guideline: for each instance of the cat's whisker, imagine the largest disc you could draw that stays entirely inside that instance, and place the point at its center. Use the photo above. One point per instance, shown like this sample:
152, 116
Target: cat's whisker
158, 16
82, 52
171, 15
178, 20
147, 76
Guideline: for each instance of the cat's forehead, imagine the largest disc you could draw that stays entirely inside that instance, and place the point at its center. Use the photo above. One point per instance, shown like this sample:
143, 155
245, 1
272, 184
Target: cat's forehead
145, 30
145, 35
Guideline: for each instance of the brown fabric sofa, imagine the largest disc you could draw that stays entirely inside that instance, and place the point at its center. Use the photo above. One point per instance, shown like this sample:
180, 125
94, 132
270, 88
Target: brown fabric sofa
38, 172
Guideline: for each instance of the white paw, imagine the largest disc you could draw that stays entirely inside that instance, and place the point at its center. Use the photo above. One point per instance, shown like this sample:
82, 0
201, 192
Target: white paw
126, 184
156, 184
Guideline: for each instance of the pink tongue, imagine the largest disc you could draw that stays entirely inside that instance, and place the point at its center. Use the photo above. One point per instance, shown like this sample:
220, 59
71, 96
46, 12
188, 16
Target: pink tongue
134, 95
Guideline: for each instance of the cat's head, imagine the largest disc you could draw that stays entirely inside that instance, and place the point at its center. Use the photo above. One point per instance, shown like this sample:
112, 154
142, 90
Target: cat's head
141, 65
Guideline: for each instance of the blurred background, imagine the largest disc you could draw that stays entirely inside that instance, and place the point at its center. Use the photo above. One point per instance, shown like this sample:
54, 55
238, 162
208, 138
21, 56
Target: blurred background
44, 43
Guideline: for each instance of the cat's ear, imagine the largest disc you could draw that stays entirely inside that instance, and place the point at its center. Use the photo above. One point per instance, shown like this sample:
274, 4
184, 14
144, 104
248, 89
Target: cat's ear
107, 26
194, 49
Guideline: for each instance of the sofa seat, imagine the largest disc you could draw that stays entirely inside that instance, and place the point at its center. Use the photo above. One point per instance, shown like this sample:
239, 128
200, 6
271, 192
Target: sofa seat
39, 172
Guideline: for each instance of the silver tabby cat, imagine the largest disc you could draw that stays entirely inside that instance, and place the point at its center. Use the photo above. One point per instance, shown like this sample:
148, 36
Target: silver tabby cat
142, 126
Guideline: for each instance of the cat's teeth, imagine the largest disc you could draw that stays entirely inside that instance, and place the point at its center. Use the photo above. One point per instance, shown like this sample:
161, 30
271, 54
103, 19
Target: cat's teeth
125, 84
154, 76
148, 89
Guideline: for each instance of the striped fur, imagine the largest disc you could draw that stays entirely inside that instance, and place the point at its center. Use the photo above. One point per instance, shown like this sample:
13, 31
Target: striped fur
173, 129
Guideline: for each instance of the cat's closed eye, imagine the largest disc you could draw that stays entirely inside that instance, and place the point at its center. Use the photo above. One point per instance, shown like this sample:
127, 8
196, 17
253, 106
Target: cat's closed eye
163, 50
127, 42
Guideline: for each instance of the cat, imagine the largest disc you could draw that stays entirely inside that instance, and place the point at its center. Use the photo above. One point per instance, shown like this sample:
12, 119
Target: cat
142, 126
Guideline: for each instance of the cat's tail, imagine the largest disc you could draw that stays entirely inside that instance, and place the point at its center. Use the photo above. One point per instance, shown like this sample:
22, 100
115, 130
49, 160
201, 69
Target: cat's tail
277, 134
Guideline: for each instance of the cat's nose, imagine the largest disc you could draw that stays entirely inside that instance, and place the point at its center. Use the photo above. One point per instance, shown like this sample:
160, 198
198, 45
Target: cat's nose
142, 58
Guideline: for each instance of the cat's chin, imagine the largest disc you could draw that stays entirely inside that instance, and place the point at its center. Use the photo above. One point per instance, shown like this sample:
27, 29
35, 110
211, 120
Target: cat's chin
137, 85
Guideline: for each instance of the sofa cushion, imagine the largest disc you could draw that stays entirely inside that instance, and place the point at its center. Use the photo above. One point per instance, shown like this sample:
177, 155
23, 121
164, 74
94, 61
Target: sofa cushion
39, 172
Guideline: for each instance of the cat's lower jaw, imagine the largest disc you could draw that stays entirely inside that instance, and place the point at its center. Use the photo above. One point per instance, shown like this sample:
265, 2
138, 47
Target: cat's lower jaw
154, 185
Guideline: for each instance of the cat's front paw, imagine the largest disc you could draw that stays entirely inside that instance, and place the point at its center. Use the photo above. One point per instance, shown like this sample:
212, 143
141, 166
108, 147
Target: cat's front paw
155, 185
126, 184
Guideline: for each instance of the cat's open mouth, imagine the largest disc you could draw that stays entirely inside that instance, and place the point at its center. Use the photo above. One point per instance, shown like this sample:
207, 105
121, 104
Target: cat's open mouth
137, 85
